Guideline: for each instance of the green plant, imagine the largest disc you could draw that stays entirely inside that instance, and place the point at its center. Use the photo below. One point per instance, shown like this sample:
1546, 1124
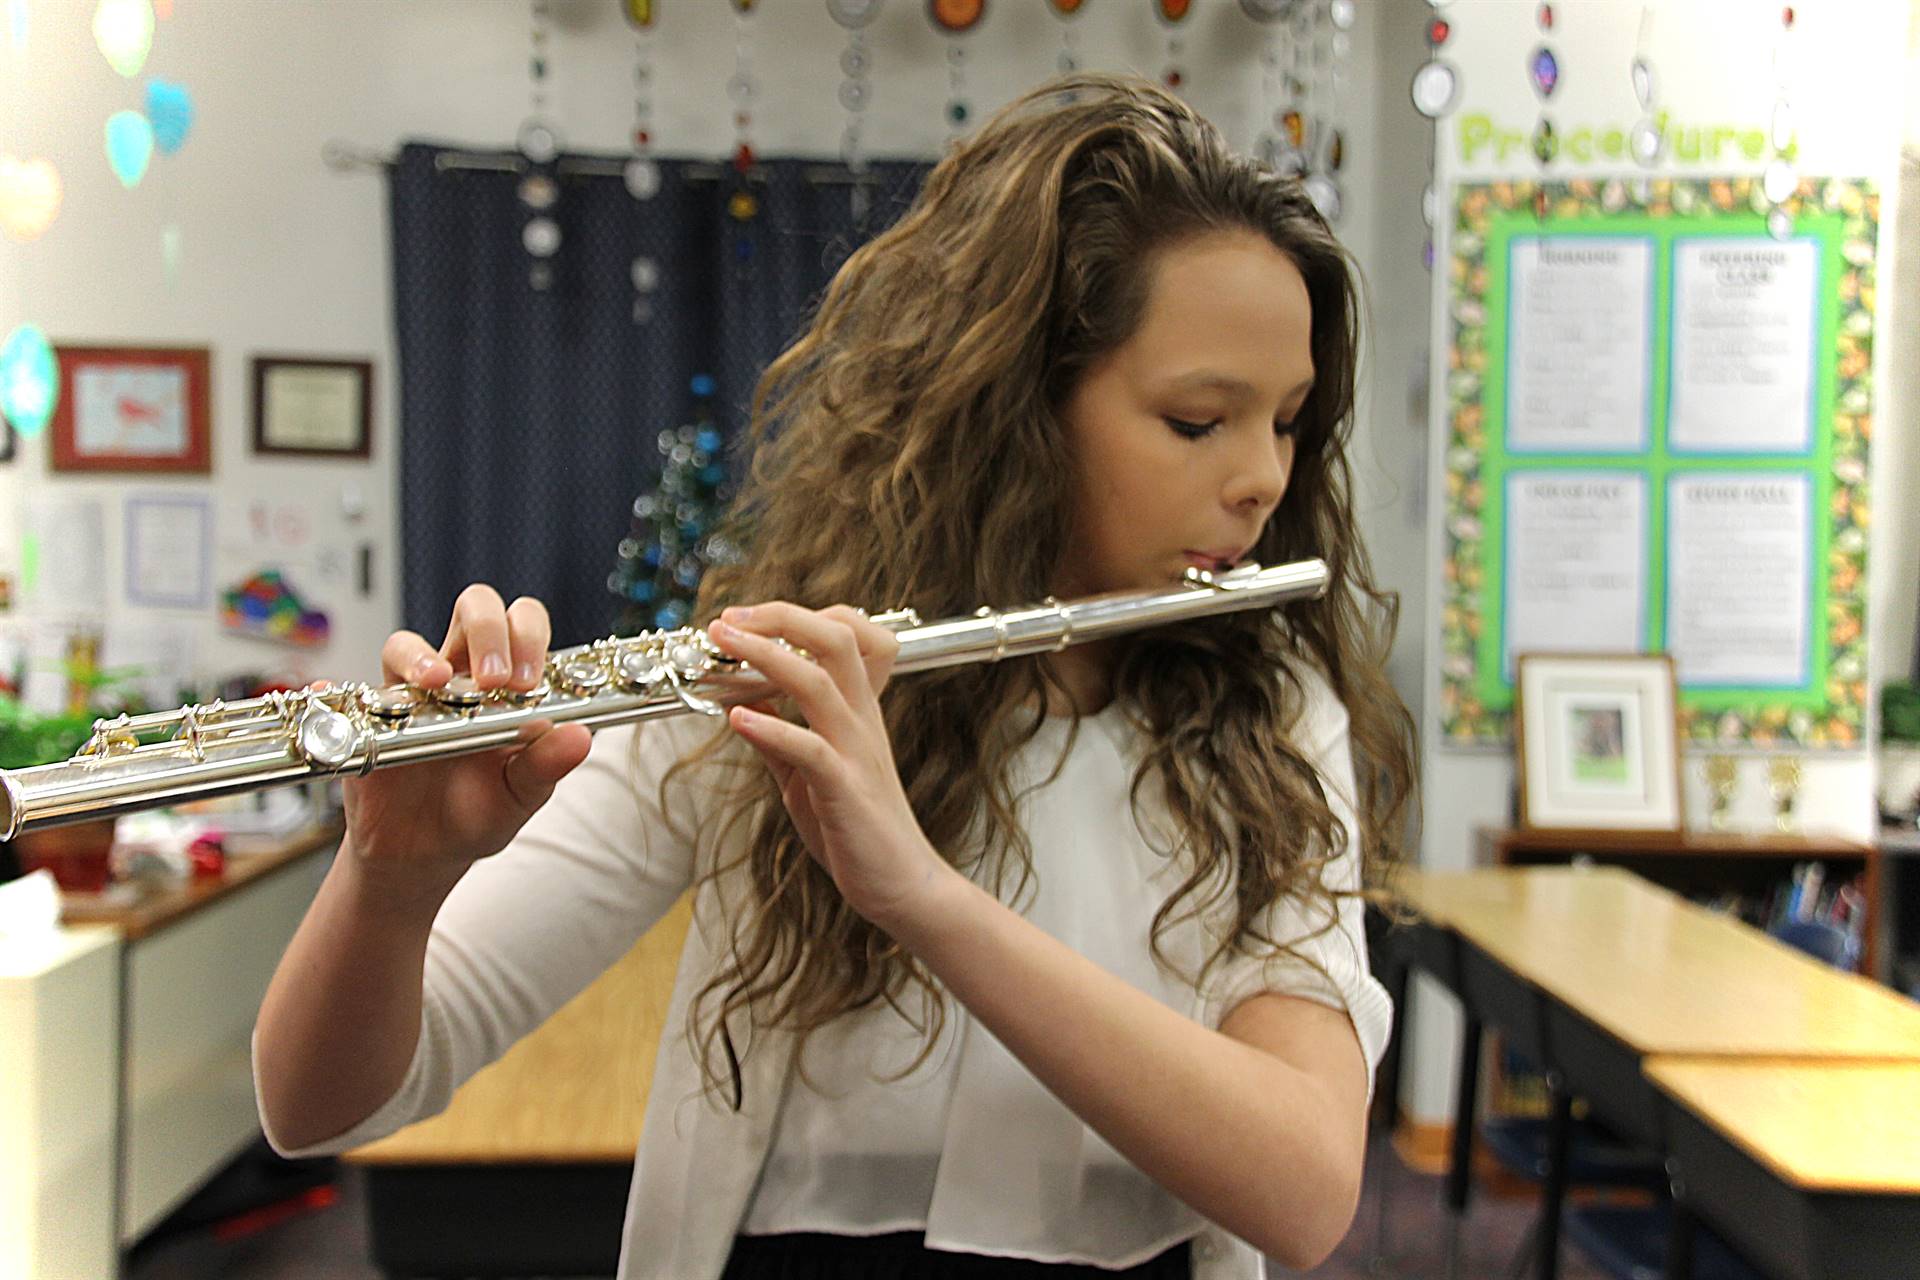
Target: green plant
28, 738
1900, 712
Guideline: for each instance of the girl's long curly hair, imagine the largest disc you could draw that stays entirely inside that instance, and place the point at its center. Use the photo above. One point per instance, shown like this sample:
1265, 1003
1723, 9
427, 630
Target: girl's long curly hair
908, 450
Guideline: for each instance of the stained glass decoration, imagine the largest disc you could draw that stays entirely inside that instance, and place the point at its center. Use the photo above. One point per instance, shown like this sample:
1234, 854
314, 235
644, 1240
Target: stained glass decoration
29, 379
956, 17
1544, 69
1435, 86
123, 30
30, 195
129, 146
170, 108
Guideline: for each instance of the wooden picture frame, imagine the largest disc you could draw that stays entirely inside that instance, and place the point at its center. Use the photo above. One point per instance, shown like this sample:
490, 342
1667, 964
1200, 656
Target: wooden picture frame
132, 409
1597, 742
312, 406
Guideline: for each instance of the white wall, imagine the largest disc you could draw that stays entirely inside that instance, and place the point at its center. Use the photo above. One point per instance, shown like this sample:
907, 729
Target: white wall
1714, 62
281, 254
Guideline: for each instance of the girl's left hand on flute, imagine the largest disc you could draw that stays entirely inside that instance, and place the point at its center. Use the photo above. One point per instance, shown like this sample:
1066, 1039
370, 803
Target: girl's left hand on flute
836, 772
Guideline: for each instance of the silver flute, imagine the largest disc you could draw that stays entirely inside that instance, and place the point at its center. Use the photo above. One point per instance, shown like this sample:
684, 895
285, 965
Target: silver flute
196, 752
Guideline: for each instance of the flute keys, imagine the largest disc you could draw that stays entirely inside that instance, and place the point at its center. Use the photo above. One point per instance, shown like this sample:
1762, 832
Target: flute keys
461, 691
583, 677
325, 737
527, 697
641, 672
395, 702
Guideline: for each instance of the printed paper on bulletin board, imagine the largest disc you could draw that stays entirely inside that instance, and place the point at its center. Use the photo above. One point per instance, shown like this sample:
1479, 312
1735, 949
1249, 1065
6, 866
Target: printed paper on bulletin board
1652, 446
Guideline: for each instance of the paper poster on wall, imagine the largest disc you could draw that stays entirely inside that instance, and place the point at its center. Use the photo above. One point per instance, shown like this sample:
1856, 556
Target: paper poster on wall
160, 653
1744, 316
1740, 546
63, 551
1576, 551
169, 551
1578, 366
1739, 578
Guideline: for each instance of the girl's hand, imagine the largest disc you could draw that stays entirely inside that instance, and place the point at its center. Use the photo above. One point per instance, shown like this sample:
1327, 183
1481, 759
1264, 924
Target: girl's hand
436, 817
836, 774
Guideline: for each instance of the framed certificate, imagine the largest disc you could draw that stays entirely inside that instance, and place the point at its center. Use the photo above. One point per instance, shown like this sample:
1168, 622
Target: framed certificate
317, 408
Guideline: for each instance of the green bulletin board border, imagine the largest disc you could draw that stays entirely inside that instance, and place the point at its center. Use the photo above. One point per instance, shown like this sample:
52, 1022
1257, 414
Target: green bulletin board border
1843, 216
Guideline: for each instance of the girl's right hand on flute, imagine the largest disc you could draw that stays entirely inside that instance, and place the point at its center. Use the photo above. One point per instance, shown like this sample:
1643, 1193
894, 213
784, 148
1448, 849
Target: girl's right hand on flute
441, 815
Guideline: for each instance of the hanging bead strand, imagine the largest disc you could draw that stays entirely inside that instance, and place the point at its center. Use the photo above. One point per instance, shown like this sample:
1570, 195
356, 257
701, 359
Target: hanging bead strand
539, 143
955, 18
1064, 11
742, 88
1435, 91
1780, 181
856, 95
1647, 140
642, 172
1543, 74
1329, 155
1172, 13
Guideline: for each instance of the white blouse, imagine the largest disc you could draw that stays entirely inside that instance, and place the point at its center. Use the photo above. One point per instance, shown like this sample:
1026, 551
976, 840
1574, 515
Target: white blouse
969, 1146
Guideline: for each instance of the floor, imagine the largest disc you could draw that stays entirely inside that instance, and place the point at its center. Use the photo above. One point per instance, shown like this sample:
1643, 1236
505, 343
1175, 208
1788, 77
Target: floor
331, 1243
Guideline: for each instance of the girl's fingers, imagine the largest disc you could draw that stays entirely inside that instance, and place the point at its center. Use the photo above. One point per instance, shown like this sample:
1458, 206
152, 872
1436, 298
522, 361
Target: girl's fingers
878, 646
479, 633
407, 656
532, 772
528, 633
784, 744
820, 697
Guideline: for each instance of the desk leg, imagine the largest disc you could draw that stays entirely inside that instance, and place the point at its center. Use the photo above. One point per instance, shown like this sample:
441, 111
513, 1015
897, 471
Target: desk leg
1679, 1236
1387, 1108
1460, 1162
1554, 1193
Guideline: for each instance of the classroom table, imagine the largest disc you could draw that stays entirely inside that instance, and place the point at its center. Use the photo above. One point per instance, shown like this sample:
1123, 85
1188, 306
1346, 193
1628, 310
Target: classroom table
1589, 971
526, 1172
1811, 1168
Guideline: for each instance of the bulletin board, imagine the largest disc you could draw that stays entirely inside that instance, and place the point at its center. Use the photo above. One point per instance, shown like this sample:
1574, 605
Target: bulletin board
1659, 418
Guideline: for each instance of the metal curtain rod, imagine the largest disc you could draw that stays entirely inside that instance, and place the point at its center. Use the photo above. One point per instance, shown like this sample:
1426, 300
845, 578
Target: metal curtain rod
345, 157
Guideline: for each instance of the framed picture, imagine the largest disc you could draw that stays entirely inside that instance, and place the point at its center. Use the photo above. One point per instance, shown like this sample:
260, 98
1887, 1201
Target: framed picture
131, 409
1597, 737
315, 408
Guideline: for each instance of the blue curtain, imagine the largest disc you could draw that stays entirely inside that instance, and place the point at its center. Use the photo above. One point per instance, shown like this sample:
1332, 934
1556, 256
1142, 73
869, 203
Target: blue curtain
529, 415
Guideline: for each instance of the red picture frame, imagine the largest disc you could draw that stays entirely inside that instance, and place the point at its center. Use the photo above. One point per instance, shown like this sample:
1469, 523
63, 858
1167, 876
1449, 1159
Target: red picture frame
132, 409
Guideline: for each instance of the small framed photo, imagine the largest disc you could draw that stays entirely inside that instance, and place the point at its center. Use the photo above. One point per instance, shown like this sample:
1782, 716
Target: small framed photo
1597, 737
131, 409
316, 408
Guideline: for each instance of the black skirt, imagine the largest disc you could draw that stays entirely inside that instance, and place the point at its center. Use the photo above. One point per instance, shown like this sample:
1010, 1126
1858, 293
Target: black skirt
904, 1255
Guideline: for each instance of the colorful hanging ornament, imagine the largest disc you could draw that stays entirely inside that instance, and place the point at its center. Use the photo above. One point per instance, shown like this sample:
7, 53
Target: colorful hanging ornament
123, 29
129, 146
1436, 85
1171, 14
742, 88
1780, 180
30, 194
29, 379
170, 107
1268, 10
641, 173
1065, 11
956, 17
856, 95
1543, 74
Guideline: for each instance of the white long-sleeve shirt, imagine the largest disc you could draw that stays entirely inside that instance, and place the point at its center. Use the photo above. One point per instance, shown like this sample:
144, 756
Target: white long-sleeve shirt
969, 1148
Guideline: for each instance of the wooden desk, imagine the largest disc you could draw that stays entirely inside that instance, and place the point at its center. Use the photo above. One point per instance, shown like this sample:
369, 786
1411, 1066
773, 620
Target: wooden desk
526, 1172
1811, 1168
1660, 974
1591, 971
1701, 863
